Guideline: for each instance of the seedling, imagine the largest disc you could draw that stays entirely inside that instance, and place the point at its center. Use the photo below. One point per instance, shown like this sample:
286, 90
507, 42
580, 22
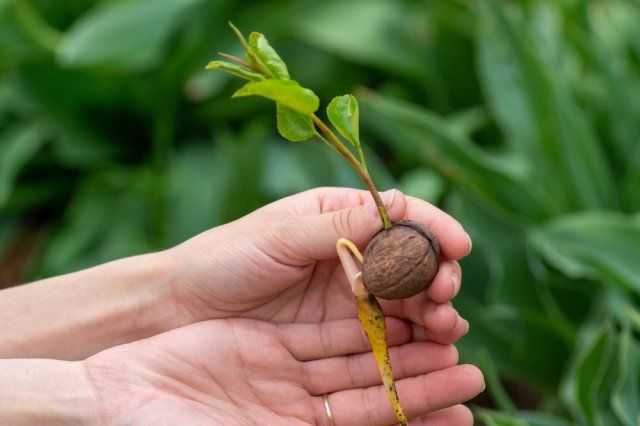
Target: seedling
402, 259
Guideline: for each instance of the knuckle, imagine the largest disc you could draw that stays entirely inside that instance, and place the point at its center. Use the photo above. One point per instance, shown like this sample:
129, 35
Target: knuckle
342, 222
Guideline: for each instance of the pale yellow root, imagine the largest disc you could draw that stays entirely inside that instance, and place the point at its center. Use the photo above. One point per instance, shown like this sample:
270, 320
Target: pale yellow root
372, 320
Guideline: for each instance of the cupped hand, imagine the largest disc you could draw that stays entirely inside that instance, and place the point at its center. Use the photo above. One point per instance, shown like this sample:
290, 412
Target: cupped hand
239, 372
279, 263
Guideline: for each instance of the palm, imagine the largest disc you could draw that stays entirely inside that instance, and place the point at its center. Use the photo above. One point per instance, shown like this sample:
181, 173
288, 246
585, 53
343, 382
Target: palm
242, 372
204, 374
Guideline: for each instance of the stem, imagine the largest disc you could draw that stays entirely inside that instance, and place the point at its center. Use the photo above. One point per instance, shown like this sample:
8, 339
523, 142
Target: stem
330, 137
235, 59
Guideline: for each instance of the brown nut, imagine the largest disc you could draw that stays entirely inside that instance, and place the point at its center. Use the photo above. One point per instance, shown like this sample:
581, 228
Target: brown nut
401, 261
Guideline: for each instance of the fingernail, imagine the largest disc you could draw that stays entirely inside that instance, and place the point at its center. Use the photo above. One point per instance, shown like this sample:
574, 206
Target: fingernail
466, 326
470, 244
454, 286
387, 198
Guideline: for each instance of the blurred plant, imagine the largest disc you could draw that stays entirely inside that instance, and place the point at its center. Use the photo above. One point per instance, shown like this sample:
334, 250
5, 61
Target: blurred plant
521, 118
550, 208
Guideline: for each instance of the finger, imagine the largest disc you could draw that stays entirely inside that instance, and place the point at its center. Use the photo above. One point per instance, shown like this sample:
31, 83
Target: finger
458, 415
360, 371
305, 238
419, 396
438, 318
446, 284
335, 338
455, 243
421, 334
319, 200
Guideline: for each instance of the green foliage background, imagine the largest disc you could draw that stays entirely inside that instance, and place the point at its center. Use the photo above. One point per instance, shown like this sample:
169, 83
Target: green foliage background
521, 118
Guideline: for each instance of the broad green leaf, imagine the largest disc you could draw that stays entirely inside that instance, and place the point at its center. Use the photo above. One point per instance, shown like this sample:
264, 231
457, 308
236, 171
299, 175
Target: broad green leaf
127, 34
494, 386
596, 246
469, 121
195, 208
542, 419
540, 116
423, 184
625, 399
519, 326
494, 418
585, 388
344, 114
293, 125
17, 146
243, 158
524, 418
268, 59
631, 181
285, 92
613, 28
370, 32
107, 219
419, 133
235, 69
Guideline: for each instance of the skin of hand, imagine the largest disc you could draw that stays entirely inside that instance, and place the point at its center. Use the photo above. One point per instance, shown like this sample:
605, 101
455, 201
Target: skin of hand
279, 263
240, 372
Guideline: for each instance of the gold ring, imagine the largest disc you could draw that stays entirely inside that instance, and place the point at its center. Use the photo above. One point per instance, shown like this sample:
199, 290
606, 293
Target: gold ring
327, 409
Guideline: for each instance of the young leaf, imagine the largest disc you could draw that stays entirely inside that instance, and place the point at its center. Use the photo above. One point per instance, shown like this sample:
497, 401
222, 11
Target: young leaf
243, 40
267, 58
294, 126
235, 69
286, 92
344, 115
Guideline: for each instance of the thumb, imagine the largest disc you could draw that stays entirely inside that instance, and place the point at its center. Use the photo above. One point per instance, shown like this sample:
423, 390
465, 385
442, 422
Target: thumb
314, 237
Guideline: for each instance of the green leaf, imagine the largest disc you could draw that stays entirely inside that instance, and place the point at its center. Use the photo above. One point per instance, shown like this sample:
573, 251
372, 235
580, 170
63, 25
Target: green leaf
625, 399
17, 146
127, 34
285, 92
598, 246
585, 388
494, 418
423, 184
107, 219
419, 133
268, 59
494, 386
235, 69
370, 32
344, 114
540, 115
243, 41
293, 125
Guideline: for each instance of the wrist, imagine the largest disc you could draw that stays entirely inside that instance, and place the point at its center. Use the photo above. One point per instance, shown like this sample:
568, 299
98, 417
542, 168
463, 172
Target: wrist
38, 392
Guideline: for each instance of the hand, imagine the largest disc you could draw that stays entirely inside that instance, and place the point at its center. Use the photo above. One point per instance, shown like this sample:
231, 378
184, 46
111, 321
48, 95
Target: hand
279, 263
245, 372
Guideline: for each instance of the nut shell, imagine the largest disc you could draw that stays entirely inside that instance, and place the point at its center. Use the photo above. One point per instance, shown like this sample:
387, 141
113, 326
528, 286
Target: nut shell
401, 261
